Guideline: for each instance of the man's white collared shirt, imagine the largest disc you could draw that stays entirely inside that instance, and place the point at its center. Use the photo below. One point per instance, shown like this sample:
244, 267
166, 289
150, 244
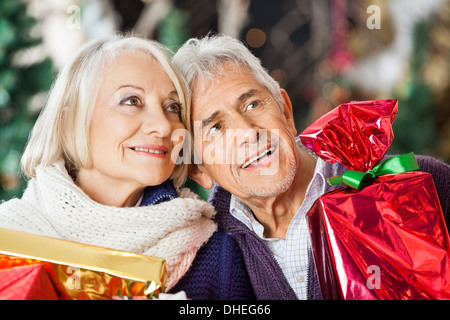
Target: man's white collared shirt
290, 253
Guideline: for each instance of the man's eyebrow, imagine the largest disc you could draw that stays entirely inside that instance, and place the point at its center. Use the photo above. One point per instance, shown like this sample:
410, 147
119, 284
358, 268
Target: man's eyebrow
240, 99
250, 93
210, 119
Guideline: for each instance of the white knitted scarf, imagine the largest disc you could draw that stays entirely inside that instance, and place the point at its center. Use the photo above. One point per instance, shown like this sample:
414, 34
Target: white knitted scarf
54, 206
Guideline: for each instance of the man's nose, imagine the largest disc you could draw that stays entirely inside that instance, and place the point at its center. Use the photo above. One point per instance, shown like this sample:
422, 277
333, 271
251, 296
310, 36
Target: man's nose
245, 131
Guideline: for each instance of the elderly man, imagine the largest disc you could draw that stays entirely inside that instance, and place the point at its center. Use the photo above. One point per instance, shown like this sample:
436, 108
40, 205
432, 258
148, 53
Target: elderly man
245, 142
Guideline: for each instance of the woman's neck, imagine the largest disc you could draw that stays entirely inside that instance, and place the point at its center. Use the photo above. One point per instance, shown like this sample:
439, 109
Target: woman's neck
107, 190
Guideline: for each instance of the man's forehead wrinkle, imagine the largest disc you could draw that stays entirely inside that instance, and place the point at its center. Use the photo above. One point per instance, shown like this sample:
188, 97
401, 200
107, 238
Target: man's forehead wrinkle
210, 82
212, 75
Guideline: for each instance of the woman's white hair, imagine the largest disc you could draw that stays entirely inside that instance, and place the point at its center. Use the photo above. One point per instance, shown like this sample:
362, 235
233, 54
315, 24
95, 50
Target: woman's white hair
61, 131
201, 61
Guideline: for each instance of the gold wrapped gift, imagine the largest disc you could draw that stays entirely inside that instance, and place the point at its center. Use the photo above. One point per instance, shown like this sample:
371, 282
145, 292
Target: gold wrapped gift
82, 271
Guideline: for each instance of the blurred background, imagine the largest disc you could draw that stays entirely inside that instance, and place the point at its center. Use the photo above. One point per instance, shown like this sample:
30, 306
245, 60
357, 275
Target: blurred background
323, 52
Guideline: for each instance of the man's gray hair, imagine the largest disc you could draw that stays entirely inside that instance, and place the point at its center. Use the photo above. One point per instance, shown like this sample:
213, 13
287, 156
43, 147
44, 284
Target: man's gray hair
201, 61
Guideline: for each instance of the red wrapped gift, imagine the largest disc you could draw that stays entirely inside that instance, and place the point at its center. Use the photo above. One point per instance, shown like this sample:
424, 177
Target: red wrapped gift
383, 236
29, 282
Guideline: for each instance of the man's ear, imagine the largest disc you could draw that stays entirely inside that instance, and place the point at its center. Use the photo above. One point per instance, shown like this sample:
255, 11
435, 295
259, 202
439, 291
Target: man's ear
197, 173
287, 111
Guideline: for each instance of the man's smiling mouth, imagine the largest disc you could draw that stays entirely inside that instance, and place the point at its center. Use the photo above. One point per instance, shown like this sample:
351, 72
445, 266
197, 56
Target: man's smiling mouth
258, 159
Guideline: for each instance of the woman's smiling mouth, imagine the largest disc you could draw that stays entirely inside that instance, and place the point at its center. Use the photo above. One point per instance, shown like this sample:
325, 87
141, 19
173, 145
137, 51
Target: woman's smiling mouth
158, 151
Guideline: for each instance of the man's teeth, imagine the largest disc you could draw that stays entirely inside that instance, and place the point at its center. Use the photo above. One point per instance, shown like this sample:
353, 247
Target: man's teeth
259, 158
148, 150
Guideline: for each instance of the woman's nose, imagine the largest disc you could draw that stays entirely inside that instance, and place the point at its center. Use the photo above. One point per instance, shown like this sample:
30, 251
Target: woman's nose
156, 123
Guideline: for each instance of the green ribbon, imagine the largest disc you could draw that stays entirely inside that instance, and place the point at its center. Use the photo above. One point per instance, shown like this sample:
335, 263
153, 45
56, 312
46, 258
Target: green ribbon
358, 179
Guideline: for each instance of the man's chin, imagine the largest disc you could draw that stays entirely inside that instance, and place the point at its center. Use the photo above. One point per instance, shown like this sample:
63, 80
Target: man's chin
270, 179
266, 190
266, 185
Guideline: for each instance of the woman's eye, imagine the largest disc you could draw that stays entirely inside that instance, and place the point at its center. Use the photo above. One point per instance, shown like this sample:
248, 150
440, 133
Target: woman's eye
174, 108
131, 101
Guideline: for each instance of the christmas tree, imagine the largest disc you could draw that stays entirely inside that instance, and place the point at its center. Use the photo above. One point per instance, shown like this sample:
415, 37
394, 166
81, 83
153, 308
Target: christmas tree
414, 126
20, 82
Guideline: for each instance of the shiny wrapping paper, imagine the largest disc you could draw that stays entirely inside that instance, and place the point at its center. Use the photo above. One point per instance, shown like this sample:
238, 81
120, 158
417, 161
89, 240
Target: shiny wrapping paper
29, 282
84, 272
387, 240
355, 134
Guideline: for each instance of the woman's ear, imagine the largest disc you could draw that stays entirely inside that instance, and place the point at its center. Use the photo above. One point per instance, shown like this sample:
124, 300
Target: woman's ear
63, 117
287, 111
197, 173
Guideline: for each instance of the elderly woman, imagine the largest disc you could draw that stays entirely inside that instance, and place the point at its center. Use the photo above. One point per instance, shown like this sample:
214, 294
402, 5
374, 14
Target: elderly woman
101, 162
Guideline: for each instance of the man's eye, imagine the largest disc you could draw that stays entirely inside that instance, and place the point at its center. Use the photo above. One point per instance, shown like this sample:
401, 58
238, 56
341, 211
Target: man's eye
215, 128
252, 105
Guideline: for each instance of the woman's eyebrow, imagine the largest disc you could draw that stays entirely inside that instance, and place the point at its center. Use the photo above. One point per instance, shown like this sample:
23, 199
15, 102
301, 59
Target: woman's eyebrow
170, 94
173, 93
130, 86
